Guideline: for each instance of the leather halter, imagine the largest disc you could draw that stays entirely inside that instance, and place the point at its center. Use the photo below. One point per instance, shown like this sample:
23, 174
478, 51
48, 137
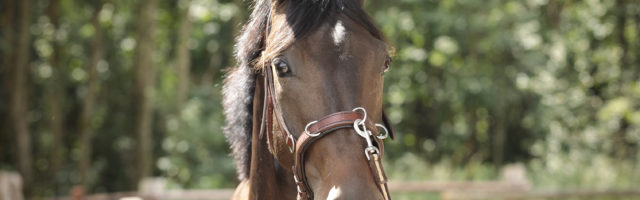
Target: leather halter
316, 130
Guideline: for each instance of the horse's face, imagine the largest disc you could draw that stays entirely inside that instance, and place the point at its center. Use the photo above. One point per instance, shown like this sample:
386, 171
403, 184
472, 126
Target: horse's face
337, 67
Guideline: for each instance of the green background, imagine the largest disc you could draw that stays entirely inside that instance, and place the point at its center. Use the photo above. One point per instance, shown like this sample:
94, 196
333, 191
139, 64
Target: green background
475, 85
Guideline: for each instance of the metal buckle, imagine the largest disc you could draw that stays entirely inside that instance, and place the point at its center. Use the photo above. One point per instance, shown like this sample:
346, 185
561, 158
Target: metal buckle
371, 149
292, 144
299, 189
295, 178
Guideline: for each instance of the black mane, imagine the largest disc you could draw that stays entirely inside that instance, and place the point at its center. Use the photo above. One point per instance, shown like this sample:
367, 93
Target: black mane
303, 17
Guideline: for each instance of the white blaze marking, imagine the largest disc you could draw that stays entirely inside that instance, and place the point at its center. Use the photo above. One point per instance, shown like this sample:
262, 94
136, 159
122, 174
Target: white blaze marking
338, 33
334, 193
339, 39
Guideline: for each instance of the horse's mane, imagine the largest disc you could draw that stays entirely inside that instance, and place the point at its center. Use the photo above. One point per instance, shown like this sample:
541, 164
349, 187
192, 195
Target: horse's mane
303, 16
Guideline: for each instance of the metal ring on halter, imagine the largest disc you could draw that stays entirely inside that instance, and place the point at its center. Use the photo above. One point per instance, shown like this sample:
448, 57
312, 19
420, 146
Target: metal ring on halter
306, 129
386, 132
364, 119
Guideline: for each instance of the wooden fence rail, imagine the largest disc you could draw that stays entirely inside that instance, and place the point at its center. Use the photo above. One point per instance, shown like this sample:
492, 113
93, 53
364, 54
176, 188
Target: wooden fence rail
542, 194
10, 186
457, 190
512, 185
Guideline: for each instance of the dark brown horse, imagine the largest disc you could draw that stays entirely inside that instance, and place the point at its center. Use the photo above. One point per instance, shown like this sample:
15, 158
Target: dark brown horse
304, 66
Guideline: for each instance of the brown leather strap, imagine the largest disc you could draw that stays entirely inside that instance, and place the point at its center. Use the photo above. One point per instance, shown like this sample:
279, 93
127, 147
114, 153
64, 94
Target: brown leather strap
275, 108
375, 164
272, 108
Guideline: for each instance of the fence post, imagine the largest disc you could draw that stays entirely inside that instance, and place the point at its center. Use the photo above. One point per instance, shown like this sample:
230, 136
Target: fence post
516, 175
10, 186
152, 187
77, 192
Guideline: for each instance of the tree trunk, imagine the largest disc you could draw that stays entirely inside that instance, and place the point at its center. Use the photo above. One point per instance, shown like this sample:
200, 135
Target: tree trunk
499, 138
18, 92
636, 71
53, 95
145, 76
86, 129
183, 60
7, 9
621, 19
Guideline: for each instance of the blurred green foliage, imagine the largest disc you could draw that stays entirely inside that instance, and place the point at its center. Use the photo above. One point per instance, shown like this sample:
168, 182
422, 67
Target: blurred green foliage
474, 85
553, 84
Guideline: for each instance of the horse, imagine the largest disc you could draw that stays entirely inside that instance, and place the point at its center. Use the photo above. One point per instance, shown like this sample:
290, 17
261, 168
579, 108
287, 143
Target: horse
304, 113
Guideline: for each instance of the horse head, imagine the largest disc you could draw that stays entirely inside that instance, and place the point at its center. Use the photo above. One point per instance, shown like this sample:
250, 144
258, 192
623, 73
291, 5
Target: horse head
321, 66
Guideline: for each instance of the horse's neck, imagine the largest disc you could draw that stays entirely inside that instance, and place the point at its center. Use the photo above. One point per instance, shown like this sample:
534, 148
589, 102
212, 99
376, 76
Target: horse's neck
267, 179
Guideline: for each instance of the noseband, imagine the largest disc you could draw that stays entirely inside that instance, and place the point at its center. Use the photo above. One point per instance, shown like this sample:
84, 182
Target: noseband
355, 119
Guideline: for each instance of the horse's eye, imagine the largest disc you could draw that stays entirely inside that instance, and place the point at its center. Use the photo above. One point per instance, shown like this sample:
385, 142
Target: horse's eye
281, 66
387, 63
